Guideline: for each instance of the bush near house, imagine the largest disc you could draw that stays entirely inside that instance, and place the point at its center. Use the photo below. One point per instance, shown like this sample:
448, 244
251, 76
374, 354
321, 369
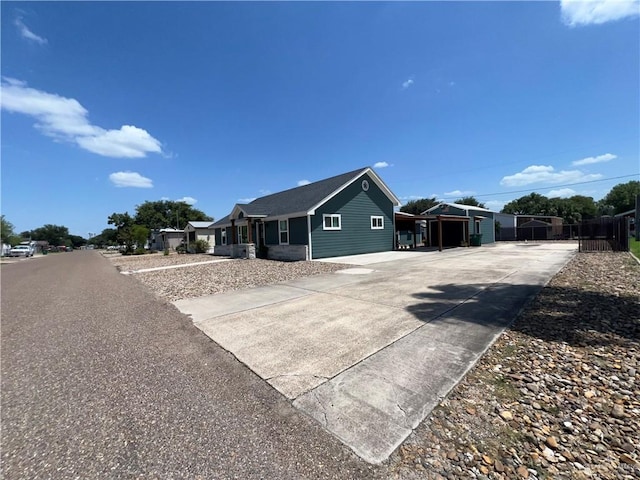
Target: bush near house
199, 246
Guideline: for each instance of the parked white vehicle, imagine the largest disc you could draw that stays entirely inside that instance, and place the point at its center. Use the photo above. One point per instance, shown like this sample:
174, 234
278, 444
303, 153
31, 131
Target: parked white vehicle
21, 251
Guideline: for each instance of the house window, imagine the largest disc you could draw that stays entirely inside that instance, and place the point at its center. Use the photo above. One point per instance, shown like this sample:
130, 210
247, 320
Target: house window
242, 234
377, 223
332, 221
223, 237
283, 227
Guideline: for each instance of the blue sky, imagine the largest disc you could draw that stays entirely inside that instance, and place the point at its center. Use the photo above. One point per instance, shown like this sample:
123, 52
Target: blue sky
107, 105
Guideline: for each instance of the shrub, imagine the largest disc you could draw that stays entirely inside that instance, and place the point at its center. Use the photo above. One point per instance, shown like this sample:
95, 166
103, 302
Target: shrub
201, 246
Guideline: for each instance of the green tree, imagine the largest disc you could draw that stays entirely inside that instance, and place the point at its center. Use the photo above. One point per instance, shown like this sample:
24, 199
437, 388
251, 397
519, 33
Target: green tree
76, 241
123, 223
574, 209
7, 235
6, 229
54, 234
139, 234
167, 213
416, 207
532, 204
566, 209
470, 201
109, 236
620, 198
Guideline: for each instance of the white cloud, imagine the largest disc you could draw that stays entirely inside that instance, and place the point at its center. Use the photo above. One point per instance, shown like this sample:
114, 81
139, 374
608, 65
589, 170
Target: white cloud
165, 198
66, 119
588, 12
407, 83
562, 193
408, 198
382, 165
264, 192
28, 34
495, 205
546, 174
130, 179
303, 182
187, 200
459, 193
607, 157
246, 200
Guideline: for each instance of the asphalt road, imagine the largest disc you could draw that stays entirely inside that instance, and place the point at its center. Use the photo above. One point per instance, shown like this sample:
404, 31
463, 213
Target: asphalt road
101, 379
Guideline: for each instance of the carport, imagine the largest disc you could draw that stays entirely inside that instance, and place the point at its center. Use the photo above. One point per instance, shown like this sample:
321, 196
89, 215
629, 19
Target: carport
409, 230
447, 230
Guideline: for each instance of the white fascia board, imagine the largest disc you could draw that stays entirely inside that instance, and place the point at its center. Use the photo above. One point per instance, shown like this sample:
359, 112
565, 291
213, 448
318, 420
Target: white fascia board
376, 179
273, 218
237, 209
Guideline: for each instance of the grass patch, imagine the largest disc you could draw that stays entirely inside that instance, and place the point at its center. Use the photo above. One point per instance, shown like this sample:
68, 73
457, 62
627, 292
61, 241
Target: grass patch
634, 246
503, 389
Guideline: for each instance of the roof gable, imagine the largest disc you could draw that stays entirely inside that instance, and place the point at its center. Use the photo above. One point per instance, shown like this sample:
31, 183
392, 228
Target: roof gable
306, 198
200, 224
456, 205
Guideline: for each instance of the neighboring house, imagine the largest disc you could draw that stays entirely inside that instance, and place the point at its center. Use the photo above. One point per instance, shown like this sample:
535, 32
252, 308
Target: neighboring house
166, 239
538, 230
550, 219
539, 227
409, 230
200, 231
452, 224
347, 214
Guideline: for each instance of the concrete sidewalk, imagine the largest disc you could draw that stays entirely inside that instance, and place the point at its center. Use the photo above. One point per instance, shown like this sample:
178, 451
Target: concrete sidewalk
369, 355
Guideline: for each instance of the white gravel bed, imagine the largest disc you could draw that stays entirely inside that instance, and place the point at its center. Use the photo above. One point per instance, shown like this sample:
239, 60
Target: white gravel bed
153, 260
200, 280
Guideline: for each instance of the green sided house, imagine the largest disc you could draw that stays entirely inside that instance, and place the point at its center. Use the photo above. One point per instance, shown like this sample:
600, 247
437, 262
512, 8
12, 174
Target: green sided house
455, 225
347, 214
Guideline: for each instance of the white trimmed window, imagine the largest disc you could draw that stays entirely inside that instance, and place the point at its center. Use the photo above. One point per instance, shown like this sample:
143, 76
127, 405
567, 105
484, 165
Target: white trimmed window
223, 236
377, 223
332, 221
283, 229
242, 234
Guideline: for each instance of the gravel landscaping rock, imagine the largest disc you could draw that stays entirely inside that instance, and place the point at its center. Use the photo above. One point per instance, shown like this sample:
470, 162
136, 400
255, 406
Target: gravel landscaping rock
557, 396
152, 260
200, 280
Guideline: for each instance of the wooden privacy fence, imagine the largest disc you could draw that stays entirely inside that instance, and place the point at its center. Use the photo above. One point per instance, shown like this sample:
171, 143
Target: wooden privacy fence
603, 234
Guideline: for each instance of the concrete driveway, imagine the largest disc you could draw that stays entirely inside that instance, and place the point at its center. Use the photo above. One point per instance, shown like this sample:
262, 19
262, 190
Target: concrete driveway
369, 351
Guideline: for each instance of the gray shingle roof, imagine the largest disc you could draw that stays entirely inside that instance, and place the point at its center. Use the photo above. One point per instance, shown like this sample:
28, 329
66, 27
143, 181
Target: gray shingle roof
295, 200
299, 199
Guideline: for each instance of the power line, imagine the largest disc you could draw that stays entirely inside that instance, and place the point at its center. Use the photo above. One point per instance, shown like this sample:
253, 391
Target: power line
550, 188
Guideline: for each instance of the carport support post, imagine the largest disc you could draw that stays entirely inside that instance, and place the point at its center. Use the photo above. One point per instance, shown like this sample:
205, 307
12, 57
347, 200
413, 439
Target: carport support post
465, 229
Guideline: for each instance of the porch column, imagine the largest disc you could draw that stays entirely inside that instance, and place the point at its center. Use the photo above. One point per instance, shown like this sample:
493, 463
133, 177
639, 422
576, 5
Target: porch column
234, 233
439, 233
249, 236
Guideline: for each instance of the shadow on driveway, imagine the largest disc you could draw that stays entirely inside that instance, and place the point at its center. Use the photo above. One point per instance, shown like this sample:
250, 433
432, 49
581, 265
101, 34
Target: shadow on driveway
563, 314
